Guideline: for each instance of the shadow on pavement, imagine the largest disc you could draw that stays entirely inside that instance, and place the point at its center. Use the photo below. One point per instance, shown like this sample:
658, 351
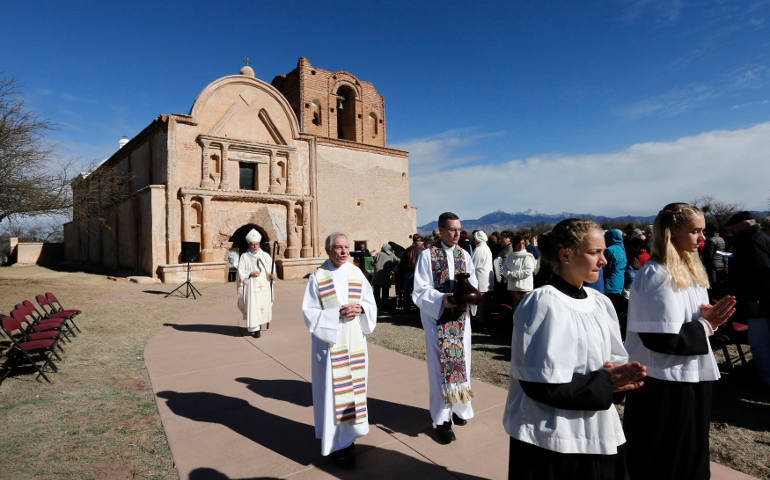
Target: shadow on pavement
390, 416
205, 473
293, 440
228, 330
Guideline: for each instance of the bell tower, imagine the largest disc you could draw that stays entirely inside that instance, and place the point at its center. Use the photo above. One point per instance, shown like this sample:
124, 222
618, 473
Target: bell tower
334, 104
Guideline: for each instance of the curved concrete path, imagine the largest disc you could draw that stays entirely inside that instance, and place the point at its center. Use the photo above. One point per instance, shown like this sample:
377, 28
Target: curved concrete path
235, 407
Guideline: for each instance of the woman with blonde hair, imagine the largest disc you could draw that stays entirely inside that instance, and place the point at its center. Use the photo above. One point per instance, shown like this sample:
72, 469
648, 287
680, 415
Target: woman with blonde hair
669, 321
567, 359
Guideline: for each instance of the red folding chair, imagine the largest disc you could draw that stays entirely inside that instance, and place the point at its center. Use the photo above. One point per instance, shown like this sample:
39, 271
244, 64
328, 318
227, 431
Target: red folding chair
51, 310
23, 314
22, 350
57, 304
42, 317
28, 334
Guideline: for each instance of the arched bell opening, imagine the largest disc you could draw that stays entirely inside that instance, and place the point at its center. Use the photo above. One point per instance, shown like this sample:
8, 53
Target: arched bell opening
346, 113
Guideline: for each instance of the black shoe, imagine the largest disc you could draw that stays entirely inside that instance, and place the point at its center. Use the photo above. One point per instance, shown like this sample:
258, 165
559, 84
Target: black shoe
445, 433
345, 458
256, 334
458, 421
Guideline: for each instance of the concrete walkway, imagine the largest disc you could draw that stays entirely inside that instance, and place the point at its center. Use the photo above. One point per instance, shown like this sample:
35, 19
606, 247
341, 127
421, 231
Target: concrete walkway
235, 407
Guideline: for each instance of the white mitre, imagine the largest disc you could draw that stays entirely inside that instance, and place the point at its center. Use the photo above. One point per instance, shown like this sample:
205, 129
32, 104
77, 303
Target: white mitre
253, 236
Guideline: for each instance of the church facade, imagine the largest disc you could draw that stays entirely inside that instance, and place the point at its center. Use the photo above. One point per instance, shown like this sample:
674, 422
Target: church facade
296, 159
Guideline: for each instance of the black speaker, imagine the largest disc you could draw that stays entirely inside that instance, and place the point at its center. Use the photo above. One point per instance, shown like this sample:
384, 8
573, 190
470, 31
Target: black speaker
191, 252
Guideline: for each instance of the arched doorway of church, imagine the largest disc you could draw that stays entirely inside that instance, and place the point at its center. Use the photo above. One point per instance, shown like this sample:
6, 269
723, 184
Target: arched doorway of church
239, 238
240, 246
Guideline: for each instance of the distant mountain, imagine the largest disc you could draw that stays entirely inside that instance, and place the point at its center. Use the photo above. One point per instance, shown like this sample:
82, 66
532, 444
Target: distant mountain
499, 220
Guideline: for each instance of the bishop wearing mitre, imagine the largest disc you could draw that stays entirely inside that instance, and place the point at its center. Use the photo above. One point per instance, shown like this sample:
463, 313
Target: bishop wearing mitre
255, 298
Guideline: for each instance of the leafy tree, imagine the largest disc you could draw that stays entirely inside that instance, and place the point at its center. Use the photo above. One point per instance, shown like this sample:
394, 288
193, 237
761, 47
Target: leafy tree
30, 183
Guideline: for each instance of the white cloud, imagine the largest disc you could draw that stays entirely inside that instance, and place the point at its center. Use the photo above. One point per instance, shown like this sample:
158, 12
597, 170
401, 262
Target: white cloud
732, 166
442, 151
750, 104
680, 99
666, 11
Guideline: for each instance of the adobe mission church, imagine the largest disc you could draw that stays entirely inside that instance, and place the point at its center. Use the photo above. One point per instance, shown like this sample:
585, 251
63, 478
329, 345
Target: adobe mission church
296, 160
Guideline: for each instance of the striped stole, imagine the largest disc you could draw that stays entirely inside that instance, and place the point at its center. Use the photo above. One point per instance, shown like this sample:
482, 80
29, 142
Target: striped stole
348, 361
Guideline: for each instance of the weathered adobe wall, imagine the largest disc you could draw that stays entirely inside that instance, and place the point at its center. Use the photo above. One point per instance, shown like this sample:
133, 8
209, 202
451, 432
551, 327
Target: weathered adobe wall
232, 117
307, 84
121, 236
230, 216
227, 114
128, 237
365, 195
41, 253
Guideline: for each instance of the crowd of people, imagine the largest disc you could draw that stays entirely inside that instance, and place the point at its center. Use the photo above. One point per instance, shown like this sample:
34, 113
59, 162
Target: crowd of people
600, 317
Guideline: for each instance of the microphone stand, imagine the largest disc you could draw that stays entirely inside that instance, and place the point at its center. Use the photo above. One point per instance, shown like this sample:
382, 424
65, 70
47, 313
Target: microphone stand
189, 287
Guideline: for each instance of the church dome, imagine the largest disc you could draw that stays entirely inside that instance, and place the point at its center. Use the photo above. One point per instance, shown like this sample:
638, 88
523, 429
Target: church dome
247, 70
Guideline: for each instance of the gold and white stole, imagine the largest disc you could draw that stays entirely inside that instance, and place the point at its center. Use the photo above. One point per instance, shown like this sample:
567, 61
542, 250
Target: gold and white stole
348, 361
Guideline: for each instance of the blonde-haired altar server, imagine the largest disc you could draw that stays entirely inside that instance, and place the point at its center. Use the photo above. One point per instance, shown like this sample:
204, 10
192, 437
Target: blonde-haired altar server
669, 322
254, 294
339, 311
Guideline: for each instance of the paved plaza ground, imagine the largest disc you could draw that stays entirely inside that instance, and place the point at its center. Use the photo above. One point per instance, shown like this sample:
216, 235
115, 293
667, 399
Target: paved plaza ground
234, 407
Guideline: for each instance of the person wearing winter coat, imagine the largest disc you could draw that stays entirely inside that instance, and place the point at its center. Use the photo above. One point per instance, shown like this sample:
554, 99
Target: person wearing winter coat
385, 261
482, 262
616, 262
615, 273
519, 270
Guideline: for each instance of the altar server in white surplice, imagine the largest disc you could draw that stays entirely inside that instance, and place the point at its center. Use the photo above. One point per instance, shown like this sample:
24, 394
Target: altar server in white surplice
339, 310
254, 293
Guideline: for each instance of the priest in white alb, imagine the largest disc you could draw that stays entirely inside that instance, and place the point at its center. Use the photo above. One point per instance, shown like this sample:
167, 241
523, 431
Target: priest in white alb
255, 296
339, 310
447, 337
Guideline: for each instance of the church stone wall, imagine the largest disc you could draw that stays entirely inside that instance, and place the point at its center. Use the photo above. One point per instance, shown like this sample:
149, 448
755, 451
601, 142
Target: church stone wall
109, 239
108, 234
364, 194
312, 93
139, 163
71, 236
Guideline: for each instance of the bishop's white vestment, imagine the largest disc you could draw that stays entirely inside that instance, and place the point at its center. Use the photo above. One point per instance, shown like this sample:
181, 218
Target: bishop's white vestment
429, 300
336, 342
254, 294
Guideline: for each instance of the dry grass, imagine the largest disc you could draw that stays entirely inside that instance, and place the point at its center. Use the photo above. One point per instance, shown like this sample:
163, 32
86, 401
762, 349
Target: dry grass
98, 418
740, 425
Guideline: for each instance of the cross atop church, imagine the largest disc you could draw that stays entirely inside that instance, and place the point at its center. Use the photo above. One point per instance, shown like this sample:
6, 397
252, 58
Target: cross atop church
247, 61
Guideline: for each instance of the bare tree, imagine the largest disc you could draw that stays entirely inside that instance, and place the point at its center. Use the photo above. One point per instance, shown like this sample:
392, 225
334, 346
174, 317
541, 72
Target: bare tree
49, 230
29, 183
716, 211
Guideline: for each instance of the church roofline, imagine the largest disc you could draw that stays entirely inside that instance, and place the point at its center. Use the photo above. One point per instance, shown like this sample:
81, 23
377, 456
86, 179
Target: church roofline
339, 142
159, 122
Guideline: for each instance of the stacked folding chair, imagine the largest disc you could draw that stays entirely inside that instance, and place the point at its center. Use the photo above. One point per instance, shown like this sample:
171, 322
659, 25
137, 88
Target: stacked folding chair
34, 333
26, 312
52, 308
26, 350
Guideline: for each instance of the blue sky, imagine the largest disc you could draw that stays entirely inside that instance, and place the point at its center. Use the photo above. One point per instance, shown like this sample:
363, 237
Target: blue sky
607, 107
